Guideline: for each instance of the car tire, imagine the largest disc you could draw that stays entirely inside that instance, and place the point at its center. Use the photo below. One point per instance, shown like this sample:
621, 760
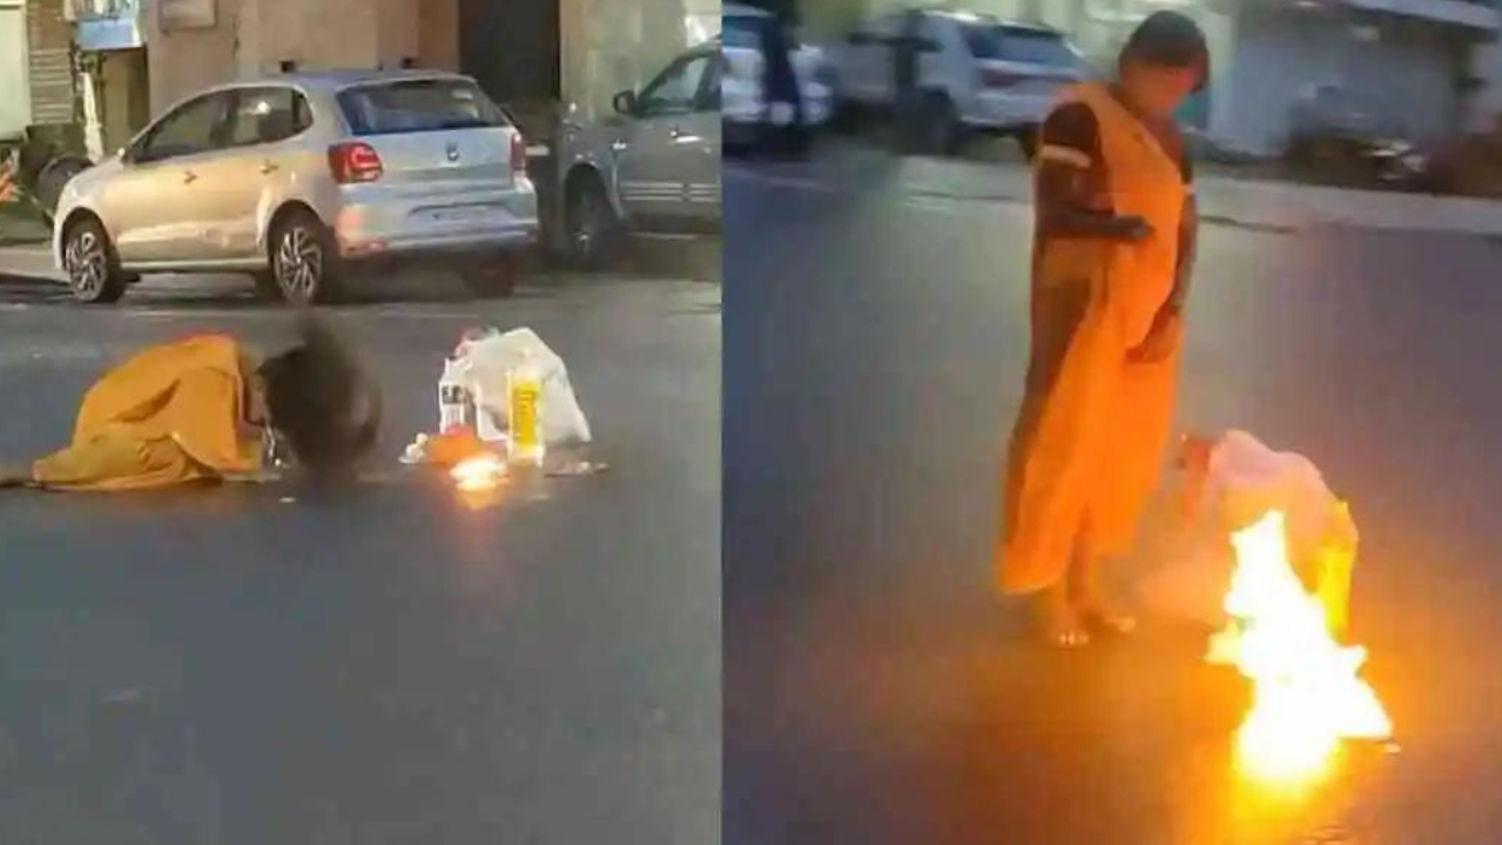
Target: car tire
93, 267
591, 224
305, 264
942, 133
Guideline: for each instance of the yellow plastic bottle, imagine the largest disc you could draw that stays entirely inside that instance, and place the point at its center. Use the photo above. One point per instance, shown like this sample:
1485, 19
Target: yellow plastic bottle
524, 394
1337, 560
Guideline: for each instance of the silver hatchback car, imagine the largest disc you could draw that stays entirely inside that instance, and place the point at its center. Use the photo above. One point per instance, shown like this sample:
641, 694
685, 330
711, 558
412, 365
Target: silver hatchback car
297, 178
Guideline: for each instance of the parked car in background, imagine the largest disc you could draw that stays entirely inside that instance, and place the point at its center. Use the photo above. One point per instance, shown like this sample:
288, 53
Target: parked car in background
653, 165
299, 180
1468, 166
1339, 136
743, 95
976, 73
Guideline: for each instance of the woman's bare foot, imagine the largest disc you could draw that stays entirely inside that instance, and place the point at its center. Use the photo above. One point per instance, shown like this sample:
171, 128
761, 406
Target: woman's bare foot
1059, 622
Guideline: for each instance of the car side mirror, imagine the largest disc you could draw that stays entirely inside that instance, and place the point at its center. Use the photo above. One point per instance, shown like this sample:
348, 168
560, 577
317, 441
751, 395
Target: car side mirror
624, 102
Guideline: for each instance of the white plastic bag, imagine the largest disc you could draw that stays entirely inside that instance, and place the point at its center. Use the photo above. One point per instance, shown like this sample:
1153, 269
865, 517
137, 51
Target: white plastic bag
483, 361
1244, 479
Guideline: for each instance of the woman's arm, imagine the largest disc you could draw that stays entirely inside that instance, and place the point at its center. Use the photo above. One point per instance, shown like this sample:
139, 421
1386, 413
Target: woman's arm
1189, 229
1069, 168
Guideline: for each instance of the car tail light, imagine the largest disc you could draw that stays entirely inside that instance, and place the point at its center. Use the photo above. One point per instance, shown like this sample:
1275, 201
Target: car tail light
991, 77
355, 162
518, 154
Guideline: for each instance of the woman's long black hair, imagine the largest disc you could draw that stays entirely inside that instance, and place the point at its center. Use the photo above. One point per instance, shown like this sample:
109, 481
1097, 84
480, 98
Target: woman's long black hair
321, 401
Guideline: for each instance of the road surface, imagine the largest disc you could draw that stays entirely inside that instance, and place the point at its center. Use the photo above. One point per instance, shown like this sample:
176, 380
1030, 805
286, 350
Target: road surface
877, 691
255, 665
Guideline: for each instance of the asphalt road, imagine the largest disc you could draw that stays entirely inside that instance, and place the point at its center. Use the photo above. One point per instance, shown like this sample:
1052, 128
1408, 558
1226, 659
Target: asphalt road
254, 664
877, 691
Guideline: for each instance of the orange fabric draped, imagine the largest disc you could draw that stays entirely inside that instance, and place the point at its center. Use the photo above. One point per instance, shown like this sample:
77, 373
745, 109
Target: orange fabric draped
1087, 447
169, 415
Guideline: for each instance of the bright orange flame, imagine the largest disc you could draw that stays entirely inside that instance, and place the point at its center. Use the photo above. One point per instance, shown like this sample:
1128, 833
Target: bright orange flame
479, 473
1307, 695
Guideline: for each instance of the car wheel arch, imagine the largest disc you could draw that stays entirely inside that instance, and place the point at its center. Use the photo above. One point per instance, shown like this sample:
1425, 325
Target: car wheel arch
74, 217
276, 217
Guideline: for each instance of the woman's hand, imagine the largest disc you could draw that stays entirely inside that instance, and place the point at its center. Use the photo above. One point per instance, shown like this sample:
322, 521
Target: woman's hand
1162, 339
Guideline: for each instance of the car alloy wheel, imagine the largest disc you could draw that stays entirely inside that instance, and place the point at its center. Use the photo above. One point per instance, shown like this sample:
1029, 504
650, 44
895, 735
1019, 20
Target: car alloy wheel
299, 264
93, 274
87, 263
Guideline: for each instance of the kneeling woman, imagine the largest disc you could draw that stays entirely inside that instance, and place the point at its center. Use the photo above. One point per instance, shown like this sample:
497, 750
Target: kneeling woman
205, 409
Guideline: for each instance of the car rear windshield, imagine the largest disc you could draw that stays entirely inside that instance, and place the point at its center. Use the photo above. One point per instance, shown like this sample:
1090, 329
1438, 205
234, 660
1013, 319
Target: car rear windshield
1019, 44
419, 105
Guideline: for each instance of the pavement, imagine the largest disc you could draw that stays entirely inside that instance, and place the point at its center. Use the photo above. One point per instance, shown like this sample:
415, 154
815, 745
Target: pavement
263, 663
693, 257
842, 164
878, 691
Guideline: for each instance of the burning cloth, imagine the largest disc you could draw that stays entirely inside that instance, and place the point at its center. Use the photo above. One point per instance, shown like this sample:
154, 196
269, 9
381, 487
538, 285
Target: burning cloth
1231, 482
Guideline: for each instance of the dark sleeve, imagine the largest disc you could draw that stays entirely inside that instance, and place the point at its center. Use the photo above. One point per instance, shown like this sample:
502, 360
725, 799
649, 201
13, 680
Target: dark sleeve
1069, 169
1071, 136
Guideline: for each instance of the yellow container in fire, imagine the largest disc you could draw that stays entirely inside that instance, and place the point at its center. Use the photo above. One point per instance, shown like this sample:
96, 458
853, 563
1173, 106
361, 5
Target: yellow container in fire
524, 395
1337, 560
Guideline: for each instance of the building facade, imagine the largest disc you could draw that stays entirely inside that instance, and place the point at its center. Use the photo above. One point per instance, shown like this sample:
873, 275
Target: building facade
533, 55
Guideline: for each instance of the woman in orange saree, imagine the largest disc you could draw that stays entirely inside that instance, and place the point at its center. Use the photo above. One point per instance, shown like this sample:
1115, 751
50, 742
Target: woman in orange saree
1112, 257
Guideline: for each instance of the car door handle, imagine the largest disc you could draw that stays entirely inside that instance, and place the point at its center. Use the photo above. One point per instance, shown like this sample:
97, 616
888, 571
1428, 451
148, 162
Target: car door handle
619, 146
189, 177
268, 168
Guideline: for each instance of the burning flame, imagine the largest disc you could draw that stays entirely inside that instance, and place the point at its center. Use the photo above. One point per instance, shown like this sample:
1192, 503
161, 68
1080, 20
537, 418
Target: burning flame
479, 474
1307, 695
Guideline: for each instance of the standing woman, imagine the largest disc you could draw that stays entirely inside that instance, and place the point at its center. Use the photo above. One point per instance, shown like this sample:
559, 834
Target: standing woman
1112, 258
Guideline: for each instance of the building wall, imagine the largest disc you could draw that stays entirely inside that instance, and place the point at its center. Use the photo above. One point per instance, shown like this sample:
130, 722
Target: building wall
185, 61
49, 68
15, 89
614, 45
253, 38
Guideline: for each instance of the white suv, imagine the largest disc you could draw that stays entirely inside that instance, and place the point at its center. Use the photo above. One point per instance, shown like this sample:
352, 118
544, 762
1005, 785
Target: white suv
976, 73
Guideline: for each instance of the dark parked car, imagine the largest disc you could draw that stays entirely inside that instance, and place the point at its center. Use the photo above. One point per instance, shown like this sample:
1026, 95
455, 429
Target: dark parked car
1340, 137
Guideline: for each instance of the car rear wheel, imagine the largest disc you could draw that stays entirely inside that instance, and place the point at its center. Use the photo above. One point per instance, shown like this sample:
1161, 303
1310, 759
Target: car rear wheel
93, 268
493, 278
304, 262
942, 132
593, 227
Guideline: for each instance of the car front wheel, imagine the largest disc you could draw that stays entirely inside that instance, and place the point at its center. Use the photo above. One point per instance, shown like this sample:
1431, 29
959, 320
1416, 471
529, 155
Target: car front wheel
93, 269
593, 227
304, 262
